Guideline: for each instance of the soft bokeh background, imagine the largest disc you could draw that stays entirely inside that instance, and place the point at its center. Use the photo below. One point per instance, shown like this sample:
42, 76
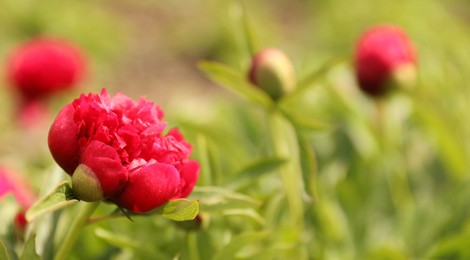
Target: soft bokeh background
389, 185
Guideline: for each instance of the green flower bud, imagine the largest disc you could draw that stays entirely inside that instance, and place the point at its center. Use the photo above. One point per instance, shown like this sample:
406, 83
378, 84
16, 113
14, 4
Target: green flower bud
272, 71
86, 185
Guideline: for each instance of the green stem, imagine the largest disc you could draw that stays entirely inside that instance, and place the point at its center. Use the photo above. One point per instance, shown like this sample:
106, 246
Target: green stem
396, 176
284, 142
74, 230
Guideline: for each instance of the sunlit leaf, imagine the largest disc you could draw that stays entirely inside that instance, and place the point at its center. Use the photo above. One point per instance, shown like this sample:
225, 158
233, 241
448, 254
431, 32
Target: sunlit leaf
179, 210
62, 196
230, 79
29, 251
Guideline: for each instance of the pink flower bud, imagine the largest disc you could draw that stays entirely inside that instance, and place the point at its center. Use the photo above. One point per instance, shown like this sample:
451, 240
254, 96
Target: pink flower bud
115, 149
43, 66
272, 71
384, 57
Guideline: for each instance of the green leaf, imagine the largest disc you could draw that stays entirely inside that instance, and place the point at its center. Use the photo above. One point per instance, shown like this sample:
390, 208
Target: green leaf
230, 79
179, 210
308, 162
59, 198
231, 249
253, 171
29, 251
6, 252
306, 123
316, 75
214, 199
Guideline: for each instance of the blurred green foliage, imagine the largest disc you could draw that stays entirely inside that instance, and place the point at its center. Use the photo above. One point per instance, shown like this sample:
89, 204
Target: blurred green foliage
378, 181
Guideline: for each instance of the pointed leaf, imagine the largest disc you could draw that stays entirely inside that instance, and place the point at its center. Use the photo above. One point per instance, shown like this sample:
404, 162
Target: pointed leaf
254, 170
230, 79
29, 251
179, 210
60, 197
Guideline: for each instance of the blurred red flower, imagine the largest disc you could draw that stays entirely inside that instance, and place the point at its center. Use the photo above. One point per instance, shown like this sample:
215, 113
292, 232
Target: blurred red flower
43, 66
380, 52
38, 69
115, 149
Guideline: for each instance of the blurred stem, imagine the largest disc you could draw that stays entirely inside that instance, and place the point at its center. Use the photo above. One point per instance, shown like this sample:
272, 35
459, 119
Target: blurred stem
396, 176
74, 230
206, 173
192, 246
284, 145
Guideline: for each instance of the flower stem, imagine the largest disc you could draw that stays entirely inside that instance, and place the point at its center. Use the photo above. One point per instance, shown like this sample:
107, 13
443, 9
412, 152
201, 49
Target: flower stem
74, 230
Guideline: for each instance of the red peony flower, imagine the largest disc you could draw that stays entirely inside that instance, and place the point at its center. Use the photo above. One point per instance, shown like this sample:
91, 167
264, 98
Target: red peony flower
115, 149
43, 66
10, 183
383, 54
272, 71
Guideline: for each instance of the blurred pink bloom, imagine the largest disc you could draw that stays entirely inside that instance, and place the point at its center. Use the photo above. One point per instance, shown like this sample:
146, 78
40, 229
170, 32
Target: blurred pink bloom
119, 145
380, 52
11, 183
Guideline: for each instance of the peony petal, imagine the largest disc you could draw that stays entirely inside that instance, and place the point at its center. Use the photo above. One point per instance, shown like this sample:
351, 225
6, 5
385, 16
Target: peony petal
104, 161
149, 186
63, 140
189, 174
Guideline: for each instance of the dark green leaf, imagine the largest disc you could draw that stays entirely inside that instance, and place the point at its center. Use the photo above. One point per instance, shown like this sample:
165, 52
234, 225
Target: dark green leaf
60, 197
230, 79
179, 210
254, 170
29, 251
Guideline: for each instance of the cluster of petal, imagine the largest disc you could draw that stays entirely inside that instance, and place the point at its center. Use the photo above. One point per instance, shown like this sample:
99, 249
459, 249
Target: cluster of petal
380, 52
43, 66
121, 143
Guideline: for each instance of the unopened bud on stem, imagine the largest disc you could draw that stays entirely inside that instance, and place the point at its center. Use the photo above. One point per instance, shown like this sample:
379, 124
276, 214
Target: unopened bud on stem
272, 71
